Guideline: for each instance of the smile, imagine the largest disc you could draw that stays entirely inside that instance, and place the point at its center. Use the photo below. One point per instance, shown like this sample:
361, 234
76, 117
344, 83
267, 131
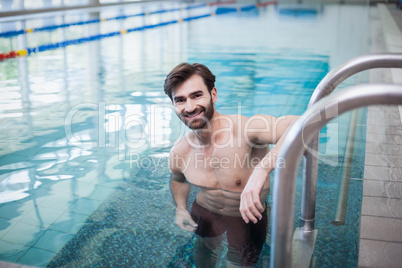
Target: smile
193, 115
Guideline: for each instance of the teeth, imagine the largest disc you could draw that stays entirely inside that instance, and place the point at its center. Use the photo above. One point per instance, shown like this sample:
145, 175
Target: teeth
193, 115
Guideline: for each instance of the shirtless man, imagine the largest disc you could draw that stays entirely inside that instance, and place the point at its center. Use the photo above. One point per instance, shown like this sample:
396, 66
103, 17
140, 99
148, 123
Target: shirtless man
228, 158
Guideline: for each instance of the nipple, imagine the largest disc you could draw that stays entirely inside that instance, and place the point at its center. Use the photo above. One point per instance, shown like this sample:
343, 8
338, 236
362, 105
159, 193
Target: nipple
238, 182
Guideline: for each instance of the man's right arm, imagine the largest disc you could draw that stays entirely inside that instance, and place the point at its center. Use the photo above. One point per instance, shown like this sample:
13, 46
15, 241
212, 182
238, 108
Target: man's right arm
180, 189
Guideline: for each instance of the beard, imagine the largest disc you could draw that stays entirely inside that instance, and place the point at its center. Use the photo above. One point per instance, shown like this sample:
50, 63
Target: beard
198, 123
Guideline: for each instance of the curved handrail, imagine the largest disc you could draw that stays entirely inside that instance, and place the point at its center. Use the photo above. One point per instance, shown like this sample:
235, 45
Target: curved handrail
324, 88
351, 67
299, 136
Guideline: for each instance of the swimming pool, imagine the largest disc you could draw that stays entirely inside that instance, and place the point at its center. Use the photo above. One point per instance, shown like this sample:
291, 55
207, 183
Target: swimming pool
86, 128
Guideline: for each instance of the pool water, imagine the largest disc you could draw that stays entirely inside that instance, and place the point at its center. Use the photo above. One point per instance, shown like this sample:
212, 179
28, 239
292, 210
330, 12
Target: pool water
86, 128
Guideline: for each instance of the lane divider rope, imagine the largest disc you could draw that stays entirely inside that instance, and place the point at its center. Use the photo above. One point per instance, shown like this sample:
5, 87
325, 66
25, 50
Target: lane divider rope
64, 25
219, 11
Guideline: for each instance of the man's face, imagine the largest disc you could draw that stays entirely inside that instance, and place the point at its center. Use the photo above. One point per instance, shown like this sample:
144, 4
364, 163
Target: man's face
193, 104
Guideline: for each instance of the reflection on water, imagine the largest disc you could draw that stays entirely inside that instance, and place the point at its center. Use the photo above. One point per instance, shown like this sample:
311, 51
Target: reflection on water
86, 129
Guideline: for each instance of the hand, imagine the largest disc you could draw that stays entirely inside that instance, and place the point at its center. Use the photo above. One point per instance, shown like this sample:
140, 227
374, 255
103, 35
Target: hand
250, 204
184, 220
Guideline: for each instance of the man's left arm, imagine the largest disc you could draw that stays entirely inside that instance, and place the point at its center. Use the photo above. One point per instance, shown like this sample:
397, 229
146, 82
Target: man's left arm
262, 130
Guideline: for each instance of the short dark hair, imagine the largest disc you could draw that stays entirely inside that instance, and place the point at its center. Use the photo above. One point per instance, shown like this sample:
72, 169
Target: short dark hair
184, 71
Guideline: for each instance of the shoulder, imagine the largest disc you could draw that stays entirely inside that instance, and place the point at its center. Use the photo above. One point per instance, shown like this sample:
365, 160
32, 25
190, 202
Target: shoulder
252, 124
269, 122
178, 153
262, 120
237, 120
256, 119
263, 128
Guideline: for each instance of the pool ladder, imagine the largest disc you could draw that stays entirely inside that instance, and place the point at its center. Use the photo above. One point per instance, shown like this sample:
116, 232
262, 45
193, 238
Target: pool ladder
290, 249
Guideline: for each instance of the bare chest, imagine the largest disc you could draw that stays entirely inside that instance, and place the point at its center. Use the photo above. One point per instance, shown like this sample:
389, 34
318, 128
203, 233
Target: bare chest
226, 168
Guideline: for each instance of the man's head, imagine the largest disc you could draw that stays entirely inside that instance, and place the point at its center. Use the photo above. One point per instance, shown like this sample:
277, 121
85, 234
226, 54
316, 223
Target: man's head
191, 89
184, 71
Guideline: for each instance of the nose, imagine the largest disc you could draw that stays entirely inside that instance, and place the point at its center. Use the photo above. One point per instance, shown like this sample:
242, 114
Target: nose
190, 106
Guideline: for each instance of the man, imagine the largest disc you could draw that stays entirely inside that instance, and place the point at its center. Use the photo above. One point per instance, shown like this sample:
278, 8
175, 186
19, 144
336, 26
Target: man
228, 158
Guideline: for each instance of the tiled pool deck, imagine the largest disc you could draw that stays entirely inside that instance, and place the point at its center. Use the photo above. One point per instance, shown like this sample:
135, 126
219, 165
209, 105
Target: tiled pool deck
381, 221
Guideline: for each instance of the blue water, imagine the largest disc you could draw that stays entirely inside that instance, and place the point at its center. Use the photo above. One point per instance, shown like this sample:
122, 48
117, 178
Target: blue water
86, 129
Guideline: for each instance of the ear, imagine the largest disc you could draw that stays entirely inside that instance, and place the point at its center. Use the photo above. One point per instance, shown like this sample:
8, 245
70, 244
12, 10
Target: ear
214, 95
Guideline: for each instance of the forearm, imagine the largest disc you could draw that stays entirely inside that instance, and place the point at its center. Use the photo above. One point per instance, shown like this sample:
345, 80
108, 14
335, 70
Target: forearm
250, 203
268, 162
180, 192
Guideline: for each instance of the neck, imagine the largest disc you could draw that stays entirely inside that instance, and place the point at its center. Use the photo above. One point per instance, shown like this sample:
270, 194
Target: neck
204, 136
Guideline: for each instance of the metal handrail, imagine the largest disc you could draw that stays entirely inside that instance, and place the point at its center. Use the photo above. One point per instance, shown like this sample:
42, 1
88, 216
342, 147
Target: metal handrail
324, 88
294, 145
344, 182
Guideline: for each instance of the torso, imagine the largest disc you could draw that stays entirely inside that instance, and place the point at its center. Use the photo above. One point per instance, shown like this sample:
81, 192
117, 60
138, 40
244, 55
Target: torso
222, 168
224, 202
